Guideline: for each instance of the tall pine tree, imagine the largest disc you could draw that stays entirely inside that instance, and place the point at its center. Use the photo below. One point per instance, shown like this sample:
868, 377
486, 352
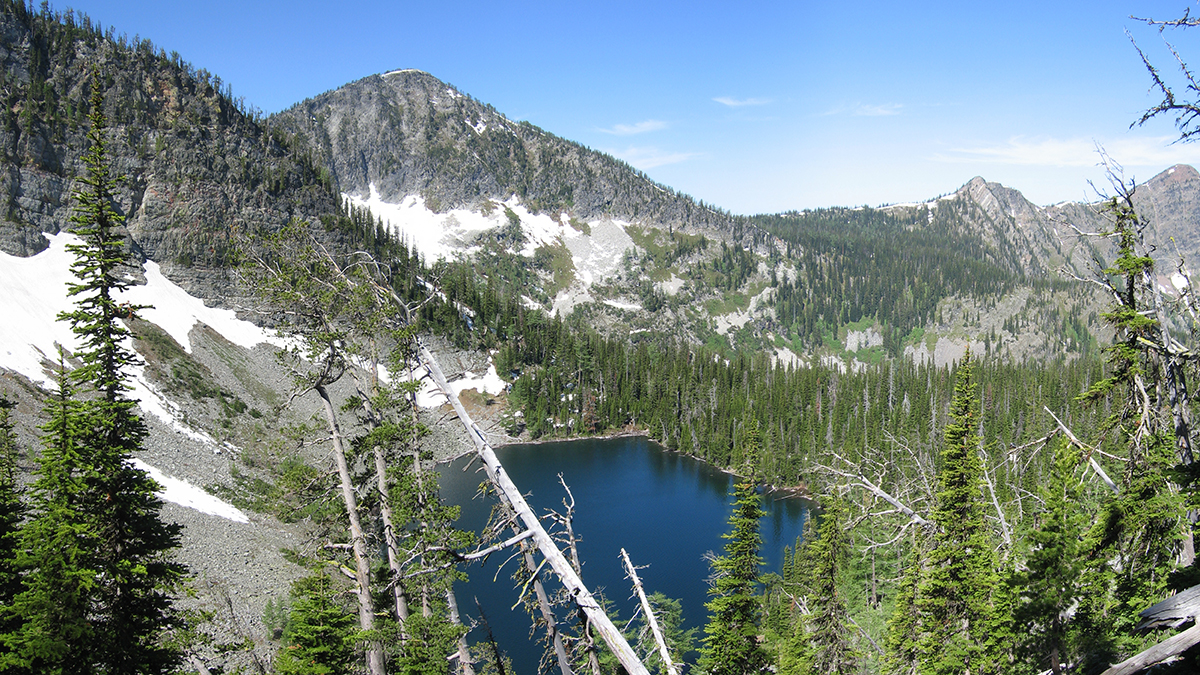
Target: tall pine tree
113, 551
731, 644
956, 599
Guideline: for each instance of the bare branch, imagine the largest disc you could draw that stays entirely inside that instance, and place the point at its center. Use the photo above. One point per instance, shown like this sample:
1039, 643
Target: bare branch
864, 482
1087, 449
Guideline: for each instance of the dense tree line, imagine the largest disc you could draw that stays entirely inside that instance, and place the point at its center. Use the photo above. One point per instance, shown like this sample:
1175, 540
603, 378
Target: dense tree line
888, 266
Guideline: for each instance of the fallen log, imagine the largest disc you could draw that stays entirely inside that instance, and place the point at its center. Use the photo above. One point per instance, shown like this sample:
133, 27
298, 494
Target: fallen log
1160, 653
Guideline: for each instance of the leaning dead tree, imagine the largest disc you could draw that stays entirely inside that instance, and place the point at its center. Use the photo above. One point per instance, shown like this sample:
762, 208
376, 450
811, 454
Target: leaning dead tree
541, 539
367, 292
651, 620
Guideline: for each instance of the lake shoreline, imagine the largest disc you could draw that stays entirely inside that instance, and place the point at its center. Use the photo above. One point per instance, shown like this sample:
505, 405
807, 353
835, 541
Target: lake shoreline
800, 491
667, 509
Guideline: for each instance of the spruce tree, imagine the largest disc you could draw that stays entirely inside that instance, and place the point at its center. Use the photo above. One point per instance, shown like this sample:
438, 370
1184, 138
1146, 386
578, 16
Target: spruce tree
832, 651
1050, 586
955, 600
731, 644
111, 551
318, 637
53, 632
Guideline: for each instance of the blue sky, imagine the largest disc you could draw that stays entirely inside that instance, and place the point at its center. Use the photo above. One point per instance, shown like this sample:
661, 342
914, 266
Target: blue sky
754, 106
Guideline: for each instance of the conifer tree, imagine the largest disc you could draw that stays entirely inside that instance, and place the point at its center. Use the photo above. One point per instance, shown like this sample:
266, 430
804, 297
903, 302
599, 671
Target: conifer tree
57, 555
318, 637
903, 636
12, 509
1134, 544
96, 530
12, 513
832, 651
956, 597
1049, 588
731, 644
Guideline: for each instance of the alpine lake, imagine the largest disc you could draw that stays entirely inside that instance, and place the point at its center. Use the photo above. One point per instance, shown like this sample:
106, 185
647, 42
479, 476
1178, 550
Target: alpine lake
666, 509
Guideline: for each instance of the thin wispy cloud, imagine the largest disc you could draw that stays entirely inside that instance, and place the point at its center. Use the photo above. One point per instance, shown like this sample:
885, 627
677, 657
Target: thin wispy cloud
866, 110
650, 157
633, 129
884, 110
1141, 151
741, 102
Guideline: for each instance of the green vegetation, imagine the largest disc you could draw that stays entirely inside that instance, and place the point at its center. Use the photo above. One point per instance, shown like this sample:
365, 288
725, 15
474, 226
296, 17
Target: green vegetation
95, 560
731, 644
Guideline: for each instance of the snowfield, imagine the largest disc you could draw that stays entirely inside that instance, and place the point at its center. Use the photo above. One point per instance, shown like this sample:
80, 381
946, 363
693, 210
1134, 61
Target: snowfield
595, 256
449, 235
31, 334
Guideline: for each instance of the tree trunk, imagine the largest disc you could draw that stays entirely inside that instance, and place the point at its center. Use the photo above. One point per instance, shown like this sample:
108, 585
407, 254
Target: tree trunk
362, 572
464, 653
1167, 649
389, 536
651, 620
560, 651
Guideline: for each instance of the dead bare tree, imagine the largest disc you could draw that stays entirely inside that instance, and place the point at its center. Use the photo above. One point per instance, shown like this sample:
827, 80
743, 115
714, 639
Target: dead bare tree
648, 611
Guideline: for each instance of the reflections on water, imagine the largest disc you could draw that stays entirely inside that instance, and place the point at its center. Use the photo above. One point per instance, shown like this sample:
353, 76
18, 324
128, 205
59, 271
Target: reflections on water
665, 509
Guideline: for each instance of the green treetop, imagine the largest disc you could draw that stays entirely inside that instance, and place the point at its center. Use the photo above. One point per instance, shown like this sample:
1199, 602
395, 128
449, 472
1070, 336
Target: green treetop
731, 644
956, 595
96, 518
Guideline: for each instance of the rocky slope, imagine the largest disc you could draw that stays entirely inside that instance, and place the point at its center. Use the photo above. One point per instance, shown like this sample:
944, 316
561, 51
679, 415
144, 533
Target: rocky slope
196, 164
408, 133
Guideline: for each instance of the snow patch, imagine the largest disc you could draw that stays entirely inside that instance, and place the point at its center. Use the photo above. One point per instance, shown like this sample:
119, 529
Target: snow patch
632, 306
449, 235
429, 396
600, 254
176, 312
178, 491
36, 292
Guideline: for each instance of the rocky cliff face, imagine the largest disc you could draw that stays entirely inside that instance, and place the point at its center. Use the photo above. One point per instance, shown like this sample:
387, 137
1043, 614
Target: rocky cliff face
196, 166
1039, 241
408, 133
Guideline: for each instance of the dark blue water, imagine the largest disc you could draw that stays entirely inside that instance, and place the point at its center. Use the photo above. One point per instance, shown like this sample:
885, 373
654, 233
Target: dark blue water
665, 509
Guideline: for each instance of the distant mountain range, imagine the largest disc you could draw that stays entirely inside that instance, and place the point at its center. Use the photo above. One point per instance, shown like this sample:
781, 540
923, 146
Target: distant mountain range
585, 233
